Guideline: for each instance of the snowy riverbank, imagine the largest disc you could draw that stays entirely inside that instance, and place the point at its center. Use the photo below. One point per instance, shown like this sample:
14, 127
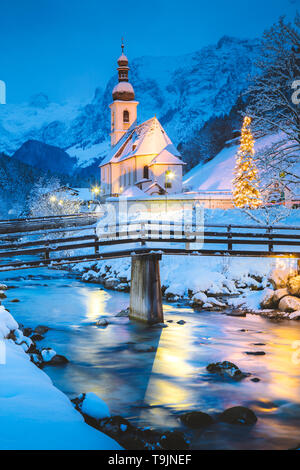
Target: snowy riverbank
34, 413
208, 283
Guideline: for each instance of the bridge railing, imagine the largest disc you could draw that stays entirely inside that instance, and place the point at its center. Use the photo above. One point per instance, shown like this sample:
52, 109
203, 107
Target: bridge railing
122, 239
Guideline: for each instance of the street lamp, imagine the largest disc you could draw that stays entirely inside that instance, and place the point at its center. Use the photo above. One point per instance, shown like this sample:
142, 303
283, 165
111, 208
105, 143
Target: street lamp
95, 191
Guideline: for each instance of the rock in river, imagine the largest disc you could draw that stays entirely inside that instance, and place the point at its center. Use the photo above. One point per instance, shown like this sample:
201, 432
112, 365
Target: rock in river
226, 368
196, 419
238, 415
255, 353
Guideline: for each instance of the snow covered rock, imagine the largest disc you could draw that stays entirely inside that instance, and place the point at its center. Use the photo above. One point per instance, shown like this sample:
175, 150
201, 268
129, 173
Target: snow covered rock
22, 340
216, 303
48, 354
102, 322
123, 287
199, 299
7, 323
175, 290
280, 276
289, 304
279, 294
92, 405
123, 313
226, 368
293, 285
111, 283
90, 276
295, 315
267, 298
3, 287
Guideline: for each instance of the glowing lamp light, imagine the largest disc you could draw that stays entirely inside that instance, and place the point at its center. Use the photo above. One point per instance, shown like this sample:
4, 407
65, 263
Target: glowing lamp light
170, 175
60, 202
52, 198
96, 190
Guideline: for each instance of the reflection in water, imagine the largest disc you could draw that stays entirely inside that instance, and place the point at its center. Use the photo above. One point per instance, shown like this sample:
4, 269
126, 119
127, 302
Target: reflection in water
171, 360
95, 303
152, 388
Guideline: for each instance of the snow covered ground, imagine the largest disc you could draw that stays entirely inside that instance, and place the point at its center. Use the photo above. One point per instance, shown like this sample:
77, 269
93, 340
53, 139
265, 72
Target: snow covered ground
34, 414
217, 174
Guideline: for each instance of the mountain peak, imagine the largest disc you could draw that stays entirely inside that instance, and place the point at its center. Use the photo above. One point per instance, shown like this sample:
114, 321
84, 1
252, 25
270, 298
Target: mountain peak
39, 100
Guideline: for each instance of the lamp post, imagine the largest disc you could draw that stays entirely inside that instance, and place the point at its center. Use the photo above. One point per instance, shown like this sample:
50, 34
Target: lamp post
95, 191
170, 175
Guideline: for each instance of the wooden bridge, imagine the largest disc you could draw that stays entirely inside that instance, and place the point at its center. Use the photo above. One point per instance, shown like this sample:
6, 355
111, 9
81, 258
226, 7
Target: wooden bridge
60, 240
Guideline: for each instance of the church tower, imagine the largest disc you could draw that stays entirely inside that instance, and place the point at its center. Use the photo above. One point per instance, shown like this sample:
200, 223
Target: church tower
124, 107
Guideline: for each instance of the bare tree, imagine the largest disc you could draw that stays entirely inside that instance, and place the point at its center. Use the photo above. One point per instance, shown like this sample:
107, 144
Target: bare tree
270, 99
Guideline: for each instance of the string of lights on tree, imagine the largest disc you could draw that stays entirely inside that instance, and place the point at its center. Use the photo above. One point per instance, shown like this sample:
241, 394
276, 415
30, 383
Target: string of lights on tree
246, 191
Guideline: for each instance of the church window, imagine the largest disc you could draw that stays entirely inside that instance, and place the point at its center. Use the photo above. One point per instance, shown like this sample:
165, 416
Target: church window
125, 116
146, 172
113, 120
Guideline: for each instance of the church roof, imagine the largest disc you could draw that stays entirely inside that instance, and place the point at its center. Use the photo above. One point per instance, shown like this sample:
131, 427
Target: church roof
147, 138
133, 191
153, 185
165, 157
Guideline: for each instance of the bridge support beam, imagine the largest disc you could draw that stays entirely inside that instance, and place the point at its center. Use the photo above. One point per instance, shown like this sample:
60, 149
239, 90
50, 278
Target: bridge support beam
145, 289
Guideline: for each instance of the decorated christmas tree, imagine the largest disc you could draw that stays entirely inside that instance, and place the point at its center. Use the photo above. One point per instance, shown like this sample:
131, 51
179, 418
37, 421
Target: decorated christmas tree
246, 191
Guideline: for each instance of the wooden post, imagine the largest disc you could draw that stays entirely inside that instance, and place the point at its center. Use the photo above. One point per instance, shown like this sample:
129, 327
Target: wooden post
145, 289
229, 236
269, 231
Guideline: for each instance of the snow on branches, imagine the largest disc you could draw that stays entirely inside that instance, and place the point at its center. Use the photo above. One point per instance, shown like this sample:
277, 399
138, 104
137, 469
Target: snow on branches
270, 98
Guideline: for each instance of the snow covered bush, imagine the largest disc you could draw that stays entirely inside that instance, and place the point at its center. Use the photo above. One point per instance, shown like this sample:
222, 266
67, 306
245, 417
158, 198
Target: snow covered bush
48, 197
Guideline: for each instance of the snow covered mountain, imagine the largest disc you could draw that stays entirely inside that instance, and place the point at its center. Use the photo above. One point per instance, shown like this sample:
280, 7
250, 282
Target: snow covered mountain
184, 92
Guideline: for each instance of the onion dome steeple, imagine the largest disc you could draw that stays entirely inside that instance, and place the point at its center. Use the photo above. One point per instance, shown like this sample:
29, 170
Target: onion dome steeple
123, 90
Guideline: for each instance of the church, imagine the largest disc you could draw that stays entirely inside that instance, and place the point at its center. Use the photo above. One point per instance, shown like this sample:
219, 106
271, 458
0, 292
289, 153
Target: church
142, 157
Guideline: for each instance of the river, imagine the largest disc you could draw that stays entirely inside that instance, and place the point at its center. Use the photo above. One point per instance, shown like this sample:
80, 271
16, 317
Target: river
153, 388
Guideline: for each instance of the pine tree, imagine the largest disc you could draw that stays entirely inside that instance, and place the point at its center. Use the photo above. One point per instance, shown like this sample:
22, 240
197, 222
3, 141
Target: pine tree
246, 192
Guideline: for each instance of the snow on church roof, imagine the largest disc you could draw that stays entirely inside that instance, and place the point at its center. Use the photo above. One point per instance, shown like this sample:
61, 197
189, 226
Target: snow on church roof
148, 138
123, 87
165, 157
133, 191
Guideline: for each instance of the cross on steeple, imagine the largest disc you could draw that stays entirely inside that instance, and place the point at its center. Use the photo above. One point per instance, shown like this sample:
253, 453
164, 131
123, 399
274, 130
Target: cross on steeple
122, 45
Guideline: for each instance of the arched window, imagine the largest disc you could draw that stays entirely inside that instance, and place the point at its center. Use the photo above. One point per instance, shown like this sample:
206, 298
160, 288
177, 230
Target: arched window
146, 172
112, 120
125, 116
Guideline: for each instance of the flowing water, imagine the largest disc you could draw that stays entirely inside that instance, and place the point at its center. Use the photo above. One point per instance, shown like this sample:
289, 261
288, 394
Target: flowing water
154, 388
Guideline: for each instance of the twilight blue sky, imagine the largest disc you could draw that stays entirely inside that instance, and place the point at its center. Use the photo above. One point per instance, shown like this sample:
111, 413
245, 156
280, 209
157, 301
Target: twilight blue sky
66, 48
